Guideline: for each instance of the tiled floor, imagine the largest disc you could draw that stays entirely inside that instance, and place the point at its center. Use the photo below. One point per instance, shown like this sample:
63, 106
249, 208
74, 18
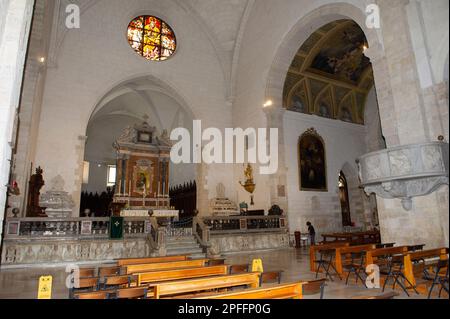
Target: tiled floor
23, 283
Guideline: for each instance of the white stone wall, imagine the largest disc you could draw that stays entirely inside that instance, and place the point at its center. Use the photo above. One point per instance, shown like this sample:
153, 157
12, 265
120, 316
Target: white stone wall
15, 20
344, 142
95, 58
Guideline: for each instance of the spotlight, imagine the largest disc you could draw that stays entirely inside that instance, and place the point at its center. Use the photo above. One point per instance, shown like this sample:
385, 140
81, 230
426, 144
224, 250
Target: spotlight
42, 59
268, 103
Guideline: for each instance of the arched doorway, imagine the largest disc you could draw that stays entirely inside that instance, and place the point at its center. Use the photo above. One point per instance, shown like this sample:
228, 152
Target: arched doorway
344, 199
139, 102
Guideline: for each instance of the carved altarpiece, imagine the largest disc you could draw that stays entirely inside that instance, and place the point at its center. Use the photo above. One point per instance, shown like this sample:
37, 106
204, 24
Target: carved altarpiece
142, 179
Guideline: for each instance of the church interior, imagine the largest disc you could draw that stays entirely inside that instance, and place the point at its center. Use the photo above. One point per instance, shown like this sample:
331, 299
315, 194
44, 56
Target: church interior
122, 129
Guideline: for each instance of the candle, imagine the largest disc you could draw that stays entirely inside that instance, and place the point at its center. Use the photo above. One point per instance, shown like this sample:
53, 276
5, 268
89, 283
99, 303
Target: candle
129, 194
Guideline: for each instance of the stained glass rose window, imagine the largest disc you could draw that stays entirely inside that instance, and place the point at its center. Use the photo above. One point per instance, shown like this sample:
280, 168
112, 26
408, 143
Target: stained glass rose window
152, 38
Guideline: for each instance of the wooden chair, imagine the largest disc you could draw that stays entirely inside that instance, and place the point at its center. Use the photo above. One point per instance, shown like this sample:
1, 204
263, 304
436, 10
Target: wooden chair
394, 270
85, 285
389, 295
108, 271
314, 287
92, 295
116, 282
356, 267
239, 269
271, 276
216, 262
87, 272
132, 293
326, 262
439, 278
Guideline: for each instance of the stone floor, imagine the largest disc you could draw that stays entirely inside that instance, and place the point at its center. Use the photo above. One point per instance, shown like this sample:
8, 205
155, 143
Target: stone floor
23, 283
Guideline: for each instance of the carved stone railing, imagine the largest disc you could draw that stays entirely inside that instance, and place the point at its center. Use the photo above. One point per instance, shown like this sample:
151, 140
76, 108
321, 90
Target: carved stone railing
73, 228
406, 171
248, 224
201, 232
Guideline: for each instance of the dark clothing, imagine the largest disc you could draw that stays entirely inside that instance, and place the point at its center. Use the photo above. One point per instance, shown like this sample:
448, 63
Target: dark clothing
312, 235
312, 239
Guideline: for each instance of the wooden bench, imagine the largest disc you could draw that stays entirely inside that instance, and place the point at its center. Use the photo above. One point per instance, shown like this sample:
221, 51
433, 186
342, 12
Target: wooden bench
141, 268
342, 255
317, 248
415, 263
185, 287
150, 260
179, 274
375, 256
287, 291
388, 295
266, 276
123, 293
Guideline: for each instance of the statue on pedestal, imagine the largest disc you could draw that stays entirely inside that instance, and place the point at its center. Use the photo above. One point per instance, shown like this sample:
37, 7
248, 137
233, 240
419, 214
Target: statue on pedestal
34, 188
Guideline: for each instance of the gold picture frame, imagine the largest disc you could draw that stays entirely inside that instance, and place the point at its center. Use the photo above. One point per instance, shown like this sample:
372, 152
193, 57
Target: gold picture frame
312, 162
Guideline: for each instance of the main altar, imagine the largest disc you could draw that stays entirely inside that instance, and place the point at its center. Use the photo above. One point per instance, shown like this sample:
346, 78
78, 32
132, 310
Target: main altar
142, 178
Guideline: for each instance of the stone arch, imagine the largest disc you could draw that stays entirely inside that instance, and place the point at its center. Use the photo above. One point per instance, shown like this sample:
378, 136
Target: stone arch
298, 35
160, 85
355, 194
284, 56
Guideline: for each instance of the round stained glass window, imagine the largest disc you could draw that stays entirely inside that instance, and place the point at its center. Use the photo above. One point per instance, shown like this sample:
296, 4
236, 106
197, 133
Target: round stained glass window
152, 38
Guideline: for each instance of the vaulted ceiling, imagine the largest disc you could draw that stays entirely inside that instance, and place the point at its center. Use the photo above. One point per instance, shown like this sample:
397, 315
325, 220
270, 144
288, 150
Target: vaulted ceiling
223, 23
330, 76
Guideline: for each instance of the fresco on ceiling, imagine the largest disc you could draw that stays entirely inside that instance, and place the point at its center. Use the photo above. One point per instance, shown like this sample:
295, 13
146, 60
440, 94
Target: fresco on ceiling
343, 55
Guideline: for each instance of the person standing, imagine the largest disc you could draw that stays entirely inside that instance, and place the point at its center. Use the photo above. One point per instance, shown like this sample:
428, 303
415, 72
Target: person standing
312, 233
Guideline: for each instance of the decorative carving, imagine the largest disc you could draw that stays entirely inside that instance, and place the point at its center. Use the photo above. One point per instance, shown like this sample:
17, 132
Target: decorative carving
405, 172
221, 205
58, 203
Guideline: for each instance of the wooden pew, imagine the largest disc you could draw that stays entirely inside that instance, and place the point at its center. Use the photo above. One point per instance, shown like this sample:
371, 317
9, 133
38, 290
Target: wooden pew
372, 256
343, 252
388, 295
179, 274
185, 287
414, 265
287, 291
141, 268
150, 260
266, 276
314, 249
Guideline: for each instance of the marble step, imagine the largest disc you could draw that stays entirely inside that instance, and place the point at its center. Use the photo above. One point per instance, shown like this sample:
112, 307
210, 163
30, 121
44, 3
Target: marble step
178, 247
188, 251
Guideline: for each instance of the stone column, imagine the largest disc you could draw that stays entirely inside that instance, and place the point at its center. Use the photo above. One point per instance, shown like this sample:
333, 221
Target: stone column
15, 17
408, 117
278, 181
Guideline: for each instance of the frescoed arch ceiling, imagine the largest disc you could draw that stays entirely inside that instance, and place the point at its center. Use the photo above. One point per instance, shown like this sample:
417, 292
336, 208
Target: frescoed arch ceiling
330, 76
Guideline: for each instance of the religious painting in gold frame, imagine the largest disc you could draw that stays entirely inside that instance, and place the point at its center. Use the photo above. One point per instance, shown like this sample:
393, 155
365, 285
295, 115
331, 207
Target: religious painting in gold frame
312, 162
